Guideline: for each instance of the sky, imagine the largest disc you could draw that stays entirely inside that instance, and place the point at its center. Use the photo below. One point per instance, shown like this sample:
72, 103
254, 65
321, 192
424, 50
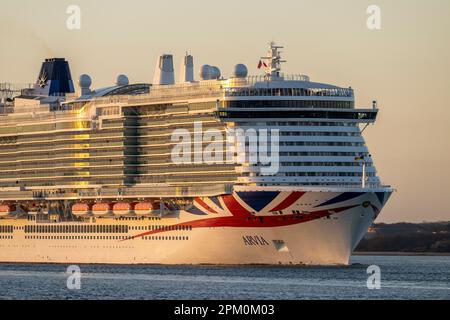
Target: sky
405, 65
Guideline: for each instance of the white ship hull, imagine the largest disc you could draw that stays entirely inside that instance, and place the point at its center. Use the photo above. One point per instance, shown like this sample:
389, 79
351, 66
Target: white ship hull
319, 228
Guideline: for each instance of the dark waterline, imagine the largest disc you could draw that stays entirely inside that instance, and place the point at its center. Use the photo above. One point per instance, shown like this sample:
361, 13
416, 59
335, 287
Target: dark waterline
402, 277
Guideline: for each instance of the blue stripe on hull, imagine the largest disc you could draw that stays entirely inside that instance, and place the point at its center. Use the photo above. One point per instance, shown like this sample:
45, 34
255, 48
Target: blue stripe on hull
381, 196
341, 198
216, 201
258, 200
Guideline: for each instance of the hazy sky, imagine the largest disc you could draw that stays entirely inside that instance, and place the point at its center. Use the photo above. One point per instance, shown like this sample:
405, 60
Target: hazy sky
405, 65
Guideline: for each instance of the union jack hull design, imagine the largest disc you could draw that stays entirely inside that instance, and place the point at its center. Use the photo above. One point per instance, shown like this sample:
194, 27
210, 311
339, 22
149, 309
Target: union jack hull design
295, 226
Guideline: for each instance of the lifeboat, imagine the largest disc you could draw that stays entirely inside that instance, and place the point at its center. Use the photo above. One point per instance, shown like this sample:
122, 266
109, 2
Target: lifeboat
145, 208
101, 208
7, 209
122, 208
81, 209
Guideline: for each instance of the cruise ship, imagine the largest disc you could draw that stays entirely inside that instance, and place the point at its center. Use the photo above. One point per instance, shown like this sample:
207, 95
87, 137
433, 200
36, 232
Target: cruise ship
267, 169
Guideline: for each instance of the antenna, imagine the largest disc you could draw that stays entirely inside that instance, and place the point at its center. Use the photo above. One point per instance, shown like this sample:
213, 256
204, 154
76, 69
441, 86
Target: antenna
274, 61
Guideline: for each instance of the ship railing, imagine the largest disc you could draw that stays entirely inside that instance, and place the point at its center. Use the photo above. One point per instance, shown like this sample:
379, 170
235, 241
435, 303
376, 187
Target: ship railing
224, 92
251, 80
158, 97
216, 89
234, 87
157, 191
119, 193
368, 185
39, 113
245, 91
14, 88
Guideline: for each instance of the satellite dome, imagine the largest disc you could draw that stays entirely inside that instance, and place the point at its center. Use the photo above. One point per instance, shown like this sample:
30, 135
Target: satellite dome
122, 80
84, 81
240, 71
215, 72
205, 72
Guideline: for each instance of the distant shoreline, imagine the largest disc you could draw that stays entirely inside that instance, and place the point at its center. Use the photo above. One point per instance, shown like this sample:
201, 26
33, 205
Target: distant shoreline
387, 253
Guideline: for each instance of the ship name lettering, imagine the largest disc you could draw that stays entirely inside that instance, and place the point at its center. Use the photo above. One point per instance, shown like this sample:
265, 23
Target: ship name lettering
255, 241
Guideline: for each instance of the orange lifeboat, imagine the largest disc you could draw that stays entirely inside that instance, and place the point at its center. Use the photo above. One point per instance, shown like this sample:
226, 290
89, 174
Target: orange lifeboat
7, 209
122, 208
145, 208
81, 209
101, 208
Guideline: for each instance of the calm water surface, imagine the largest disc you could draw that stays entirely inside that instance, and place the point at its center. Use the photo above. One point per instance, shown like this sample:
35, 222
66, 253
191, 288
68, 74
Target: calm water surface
402, 277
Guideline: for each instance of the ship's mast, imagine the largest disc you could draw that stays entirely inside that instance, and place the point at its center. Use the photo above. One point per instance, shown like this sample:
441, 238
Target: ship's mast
7, 91
273, 62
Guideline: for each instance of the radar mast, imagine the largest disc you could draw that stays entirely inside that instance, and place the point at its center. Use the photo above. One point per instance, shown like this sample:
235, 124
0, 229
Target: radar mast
273, 63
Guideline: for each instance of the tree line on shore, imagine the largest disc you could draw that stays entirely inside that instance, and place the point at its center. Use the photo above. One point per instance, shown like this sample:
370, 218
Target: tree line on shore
407, 237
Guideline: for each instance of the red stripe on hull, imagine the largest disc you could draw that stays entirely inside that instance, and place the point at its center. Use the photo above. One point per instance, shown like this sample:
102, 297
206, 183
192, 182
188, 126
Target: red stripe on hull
247, 222
290, 199
234, 206
205, 206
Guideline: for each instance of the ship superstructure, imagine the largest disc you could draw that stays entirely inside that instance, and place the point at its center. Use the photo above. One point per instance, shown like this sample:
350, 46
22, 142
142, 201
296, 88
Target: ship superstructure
266, 169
